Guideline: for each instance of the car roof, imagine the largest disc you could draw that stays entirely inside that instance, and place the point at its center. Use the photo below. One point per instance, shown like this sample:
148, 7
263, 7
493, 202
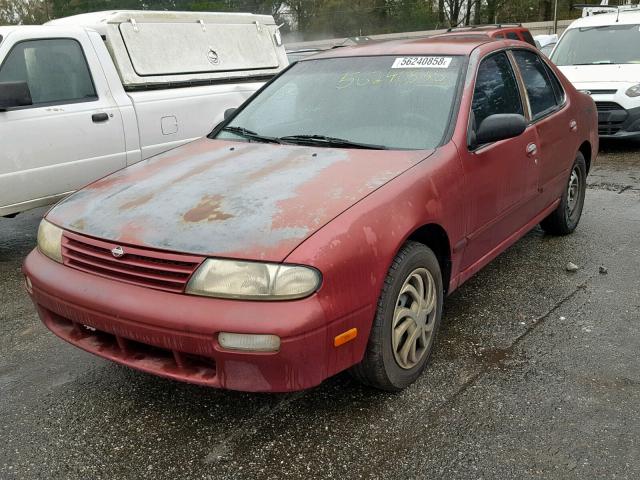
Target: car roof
437, 45
624, 17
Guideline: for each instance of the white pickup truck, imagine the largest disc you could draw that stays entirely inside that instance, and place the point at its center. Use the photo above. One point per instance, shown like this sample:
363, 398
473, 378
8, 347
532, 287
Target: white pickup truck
83, 96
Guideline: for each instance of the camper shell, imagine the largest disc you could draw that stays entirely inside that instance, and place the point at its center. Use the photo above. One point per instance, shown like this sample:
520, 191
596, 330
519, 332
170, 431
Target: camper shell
154, 48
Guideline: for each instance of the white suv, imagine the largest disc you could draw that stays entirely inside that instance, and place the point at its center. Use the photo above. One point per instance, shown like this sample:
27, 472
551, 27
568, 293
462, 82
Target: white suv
599, 54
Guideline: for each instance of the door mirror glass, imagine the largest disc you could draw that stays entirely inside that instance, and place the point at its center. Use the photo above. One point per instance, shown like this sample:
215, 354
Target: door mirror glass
228, 112
500, 127
14, 94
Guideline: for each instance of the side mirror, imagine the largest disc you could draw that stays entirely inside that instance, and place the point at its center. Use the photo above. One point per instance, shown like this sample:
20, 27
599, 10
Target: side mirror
228, 112
499, 127
14, 94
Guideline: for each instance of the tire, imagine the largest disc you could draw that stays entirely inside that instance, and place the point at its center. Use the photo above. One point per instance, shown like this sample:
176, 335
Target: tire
385, 365
564, 219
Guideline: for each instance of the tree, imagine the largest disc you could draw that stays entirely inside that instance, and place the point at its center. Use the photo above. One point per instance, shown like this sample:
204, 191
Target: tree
25, 12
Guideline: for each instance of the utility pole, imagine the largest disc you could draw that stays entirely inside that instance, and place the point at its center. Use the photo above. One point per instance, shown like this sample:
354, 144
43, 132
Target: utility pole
555, 17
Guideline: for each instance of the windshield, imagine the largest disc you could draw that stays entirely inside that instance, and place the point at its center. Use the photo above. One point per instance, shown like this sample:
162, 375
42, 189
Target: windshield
386, 102
599, 45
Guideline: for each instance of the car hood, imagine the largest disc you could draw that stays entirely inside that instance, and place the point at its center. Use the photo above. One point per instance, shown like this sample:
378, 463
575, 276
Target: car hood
581, 75
231, 199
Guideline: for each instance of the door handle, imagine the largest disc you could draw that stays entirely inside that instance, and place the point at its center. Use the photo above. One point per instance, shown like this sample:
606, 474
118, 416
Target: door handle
99, 117
573, 125
532, 149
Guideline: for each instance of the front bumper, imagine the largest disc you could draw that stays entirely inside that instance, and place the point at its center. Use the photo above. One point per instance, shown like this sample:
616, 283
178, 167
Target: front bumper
175, 335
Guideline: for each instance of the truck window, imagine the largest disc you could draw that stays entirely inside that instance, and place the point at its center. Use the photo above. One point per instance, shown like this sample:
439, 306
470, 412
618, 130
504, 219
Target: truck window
55, 70
496, 89
542, 96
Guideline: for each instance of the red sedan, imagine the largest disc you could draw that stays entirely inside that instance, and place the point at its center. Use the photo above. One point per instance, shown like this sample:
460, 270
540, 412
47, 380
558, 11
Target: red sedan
319, 227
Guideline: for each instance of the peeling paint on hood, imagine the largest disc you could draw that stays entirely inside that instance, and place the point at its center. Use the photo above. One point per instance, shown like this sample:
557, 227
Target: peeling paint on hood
229, 199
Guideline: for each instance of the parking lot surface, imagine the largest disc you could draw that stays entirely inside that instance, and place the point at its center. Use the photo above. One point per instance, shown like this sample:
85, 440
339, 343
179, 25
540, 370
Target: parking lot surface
536, 374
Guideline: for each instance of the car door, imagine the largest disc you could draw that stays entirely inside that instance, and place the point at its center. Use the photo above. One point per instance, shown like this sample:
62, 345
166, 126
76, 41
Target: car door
555, 124
70, 135
500, 177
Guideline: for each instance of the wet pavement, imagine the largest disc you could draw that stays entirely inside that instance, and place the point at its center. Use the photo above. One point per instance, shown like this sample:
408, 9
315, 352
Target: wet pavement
536, 375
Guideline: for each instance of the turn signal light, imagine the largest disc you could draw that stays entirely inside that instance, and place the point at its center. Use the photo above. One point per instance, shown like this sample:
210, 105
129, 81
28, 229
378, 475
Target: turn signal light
345, 337
249, 343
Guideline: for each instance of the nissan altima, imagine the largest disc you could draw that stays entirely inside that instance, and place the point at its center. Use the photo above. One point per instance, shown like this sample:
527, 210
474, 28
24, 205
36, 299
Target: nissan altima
320, 226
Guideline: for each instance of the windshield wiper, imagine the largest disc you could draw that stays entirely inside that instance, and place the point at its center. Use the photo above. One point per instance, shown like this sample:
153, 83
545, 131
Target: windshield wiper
597, 62
251, 135
330, 141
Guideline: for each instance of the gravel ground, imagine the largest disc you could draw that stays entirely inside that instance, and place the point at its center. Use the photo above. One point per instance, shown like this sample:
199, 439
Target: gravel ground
536, 375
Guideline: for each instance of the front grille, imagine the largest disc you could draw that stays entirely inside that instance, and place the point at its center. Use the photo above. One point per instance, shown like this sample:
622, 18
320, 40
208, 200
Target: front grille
139, 266
608, 106
611, 117
608, 129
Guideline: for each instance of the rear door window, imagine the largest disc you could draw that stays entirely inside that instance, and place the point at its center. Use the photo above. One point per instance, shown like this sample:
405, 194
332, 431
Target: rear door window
540, 90
513, 36
528, 38
55, 70
557, 86
496, 89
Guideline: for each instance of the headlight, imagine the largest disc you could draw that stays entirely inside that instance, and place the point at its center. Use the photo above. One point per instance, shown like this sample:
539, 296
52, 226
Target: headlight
633, 91
50, 240
253, 280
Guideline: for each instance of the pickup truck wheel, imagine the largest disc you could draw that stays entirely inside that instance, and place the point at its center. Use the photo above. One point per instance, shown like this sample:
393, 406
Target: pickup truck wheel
406, 322
564, 219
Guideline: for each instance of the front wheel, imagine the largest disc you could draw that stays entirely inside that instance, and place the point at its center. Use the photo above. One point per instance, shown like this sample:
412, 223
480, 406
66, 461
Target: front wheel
564, 219
406, 322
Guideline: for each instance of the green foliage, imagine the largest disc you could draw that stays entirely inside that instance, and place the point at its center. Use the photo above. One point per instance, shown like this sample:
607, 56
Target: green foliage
27, 12
317, 18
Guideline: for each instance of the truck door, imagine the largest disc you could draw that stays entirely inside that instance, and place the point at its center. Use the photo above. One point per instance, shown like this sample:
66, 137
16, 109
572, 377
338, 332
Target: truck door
70, 135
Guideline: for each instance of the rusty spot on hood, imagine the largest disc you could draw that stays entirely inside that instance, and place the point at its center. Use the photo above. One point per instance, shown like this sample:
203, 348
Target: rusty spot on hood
207, 210
79, 224
136, 202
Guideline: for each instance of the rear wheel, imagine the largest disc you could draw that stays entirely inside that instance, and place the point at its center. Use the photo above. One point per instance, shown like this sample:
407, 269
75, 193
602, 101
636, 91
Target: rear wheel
564, 219
406, 322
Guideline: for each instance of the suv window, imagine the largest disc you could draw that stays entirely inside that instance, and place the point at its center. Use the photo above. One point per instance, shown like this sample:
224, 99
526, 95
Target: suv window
55, 70
526, 34
513, 36
496, 89
542, 97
